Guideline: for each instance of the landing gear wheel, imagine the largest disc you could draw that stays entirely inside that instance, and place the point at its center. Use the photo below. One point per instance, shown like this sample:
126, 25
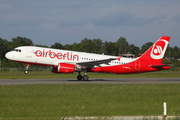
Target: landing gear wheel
79, 77
85, 78
26, 71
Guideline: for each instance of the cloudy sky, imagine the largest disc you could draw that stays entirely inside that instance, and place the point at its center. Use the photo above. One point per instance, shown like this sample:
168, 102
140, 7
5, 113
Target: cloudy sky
67, 21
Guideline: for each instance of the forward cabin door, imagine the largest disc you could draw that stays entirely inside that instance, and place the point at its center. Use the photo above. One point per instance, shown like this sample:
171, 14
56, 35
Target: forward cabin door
137, 65
29, 53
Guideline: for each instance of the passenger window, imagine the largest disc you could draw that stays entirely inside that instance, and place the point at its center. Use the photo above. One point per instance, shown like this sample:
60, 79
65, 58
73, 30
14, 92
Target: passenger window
19, 50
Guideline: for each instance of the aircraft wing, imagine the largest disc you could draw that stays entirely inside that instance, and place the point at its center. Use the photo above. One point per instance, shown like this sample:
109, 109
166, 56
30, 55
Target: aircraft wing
91, 64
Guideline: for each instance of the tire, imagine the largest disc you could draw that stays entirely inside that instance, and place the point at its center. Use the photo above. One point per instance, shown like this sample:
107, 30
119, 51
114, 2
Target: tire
79, 77
85, 78
26, 71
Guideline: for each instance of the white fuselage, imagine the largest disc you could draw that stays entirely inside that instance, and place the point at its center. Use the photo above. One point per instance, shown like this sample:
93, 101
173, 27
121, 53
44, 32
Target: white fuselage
51, 57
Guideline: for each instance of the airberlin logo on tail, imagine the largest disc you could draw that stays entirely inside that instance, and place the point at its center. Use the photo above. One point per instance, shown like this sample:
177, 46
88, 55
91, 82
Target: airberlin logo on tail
52, 55
158, 49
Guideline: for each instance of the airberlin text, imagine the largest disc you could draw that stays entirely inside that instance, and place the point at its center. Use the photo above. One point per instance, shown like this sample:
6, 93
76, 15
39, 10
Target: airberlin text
52, 55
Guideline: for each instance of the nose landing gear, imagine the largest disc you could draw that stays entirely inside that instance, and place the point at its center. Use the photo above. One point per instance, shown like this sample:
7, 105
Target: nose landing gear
26, 69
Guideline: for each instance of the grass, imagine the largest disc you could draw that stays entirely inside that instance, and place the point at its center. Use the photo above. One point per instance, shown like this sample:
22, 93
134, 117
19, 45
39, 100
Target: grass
56, 101
49, 75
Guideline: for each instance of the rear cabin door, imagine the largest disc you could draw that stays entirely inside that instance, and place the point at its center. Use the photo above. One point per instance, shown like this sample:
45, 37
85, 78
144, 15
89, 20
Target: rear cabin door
137, 65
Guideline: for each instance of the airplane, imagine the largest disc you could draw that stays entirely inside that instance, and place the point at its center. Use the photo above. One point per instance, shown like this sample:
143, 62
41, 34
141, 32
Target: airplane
66, 61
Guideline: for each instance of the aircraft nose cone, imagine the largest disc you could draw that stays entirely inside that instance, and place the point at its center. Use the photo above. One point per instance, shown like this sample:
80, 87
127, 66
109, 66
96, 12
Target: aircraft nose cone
8, 55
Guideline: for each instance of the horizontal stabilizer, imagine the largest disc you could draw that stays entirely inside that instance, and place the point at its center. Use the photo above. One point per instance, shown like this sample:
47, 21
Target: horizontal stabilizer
158, 66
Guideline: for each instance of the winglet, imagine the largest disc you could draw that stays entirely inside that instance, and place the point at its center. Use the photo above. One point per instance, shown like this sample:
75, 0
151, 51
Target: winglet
119, 58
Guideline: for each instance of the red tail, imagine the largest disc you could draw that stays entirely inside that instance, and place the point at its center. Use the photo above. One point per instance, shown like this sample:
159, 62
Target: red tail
156, 52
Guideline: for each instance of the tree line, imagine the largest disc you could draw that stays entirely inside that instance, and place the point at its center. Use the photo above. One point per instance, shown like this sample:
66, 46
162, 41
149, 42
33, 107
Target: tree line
121, 46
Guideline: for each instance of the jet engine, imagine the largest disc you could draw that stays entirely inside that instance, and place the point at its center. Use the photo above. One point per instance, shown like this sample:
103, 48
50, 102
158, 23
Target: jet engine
65, 68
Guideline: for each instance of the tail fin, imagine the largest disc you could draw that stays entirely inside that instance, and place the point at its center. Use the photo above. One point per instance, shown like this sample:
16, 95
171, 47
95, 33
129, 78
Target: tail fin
156, 52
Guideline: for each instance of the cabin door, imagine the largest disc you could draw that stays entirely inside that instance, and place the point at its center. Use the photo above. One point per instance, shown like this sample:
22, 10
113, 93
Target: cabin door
137, 65
29, 53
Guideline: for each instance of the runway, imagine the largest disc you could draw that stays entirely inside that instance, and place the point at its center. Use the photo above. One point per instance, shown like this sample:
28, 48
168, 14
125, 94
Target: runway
92, 81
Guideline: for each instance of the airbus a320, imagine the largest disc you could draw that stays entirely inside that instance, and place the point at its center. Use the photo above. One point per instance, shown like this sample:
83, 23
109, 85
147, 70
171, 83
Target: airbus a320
66, 61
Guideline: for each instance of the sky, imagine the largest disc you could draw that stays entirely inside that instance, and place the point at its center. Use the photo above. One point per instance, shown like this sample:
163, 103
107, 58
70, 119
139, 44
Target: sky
70, 21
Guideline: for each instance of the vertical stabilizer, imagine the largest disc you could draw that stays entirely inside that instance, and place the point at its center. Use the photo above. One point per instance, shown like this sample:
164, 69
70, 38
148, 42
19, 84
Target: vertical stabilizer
156, 52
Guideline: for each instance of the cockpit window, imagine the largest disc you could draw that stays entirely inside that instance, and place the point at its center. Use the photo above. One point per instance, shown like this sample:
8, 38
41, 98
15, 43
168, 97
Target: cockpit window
17, 50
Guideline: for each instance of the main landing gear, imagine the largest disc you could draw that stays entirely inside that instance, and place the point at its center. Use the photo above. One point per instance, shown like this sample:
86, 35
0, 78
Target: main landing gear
26, 69
85, 77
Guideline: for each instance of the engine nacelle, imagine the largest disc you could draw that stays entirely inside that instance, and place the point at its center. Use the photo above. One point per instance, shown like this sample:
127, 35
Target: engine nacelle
64, 68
